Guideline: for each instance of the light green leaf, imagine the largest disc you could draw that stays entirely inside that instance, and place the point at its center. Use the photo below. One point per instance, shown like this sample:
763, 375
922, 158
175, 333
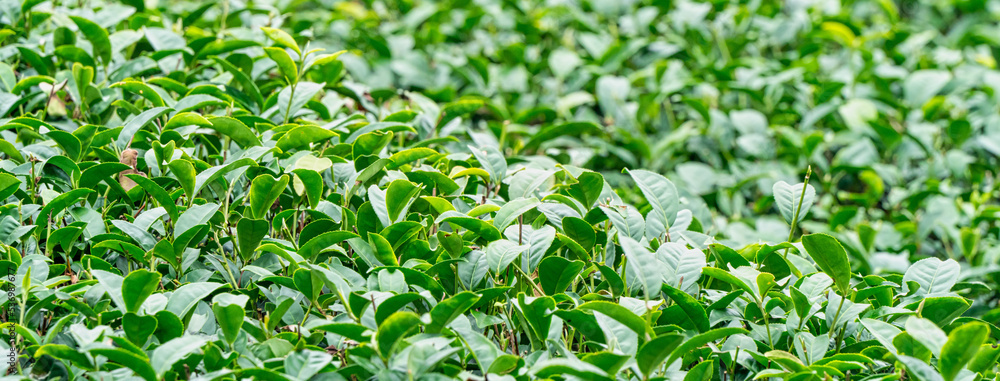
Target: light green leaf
285, 64
927, 333
661, 195
173, 351
194, 216
962, 345
787, 198
186, 297
281, 38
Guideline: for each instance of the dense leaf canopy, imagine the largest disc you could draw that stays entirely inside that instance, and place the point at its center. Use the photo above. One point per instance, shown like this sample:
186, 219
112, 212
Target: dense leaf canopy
500, 189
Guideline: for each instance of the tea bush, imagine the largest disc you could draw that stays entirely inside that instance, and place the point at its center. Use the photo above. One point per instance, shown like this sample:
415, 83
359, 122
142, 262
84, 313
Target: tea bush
502, 190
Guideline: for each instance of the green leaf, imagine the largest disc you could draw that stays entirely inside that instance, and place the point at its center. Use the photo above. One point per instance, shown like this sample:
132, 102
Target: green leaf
68, 142
922, 85
310, 183
512, 210
615, 281
394, 329
786, 360
27, 83
642, 266
137, 363
662, 197
500, 254
264, 191
580, 231
272, 320
557, 273
962, 345
214, 173
537, 313
165, 251
229, 312
303, 135
220, 46
281, 38
398, 198
290, 102
700, 372
941, 310
35, 60
407, 156
831, 257
383, 249
194, 216
621, 315
248, 85
61, 202
8, 185
285, 64
166, 355
249, 233
458, 109
787, 198
168, 326
234, 129
727, 277
138, 286
137, 123
310, 249
184, 171
985, 359
308, 282
927, 333
653, 352
112, 283
161, 196
801, 302
144, 90
492, 161
480, 227
918, 369
371, 143
101, 172
11, 152
882, 331
703, 339
351, 331
694, 310
935, 277
303, 365
587, 188
186, 297
449, 309
137, 328
64, 352
627, 220
97, 36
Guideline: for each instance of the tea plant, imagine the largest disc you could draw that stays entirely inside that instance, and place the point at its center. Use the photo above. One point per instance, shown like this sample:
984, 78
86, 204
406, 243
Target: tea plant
594, 190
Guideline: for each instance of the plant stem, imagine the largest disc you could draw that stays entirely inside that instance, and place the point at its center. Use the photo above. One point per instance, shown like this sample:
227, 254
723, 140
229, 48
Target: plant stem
767, 324
795, 217
288, 109
528, 279
836, 316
